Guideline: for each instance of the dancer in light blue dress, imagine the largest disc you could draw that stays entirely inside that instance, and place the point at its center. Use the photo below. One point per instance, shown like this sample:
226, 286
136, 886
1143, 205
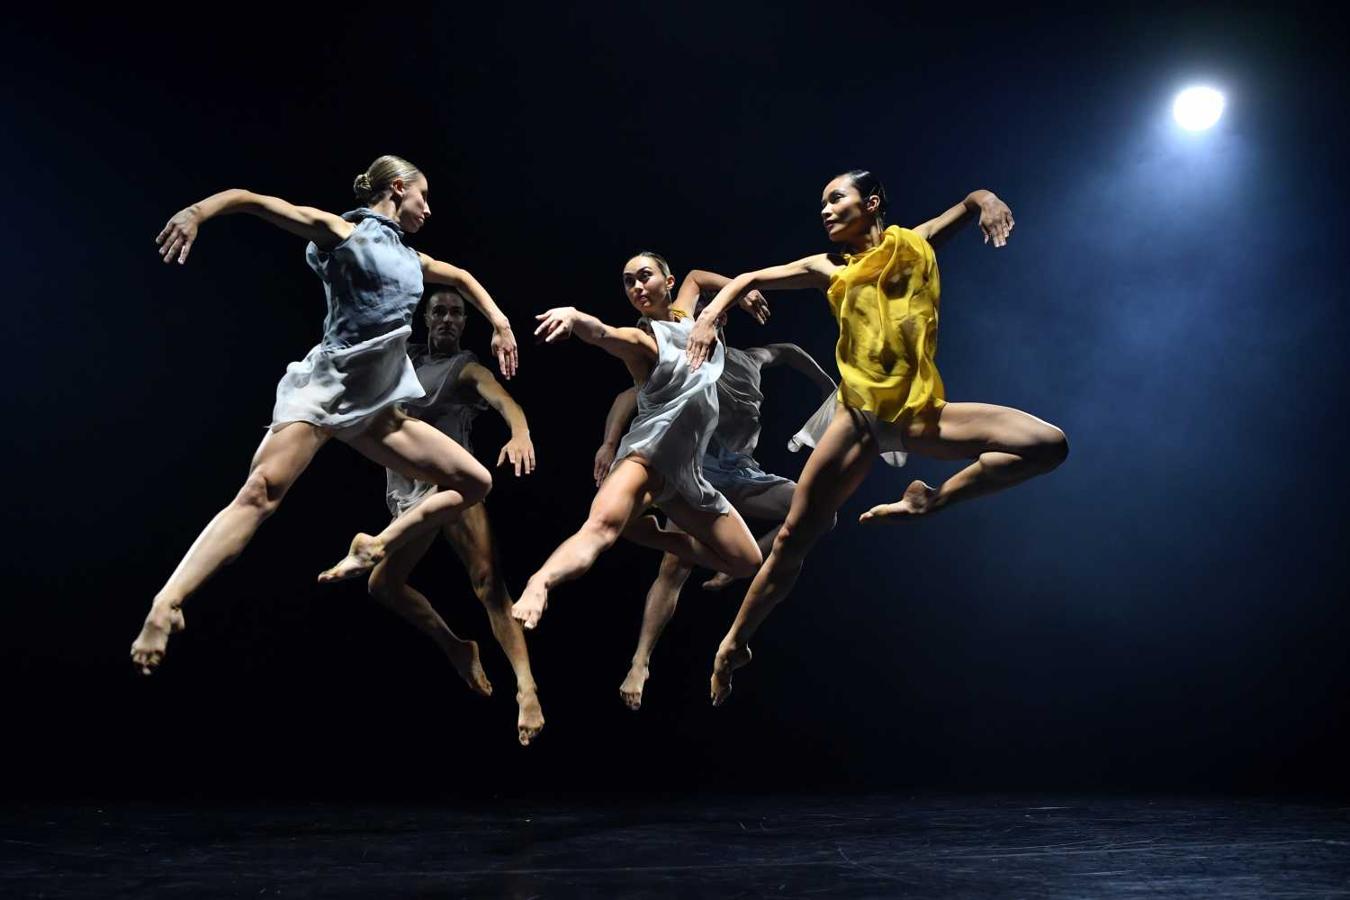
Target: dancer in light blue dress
347, 386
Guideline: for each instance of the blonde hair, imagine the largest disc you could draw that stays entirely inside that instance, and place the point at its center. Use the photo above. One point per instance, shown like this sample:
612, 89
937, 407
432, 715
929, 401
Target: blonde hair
372, 184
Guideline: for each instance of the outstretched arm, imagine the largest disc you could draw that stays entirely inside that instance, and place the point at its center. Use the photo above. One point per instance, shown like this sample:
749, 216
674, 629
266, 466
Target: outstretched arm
634, 346
620, 412
700, 282
996, 219
178, 236
811, 272
519, 450
503, 339
796, 358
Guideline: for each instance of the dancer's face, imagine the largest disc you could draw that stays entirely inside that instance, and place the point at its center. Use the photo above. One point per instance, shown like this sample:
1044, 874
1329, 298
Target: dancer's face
445, 319
845, 213
648, 288
410, 199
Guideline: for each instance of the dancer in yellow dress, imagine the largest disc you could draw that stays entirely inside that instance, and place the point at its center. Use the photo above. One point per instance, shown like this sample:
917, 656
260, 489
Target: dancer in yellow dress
884, 292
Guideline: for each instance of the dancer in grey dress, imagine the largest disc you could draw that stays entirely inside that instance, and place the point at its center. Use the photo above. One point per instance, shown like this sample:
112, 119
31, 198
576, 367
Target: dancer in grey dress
676, 415
658, 459
451, 403
346, 387
730, 466
457, 390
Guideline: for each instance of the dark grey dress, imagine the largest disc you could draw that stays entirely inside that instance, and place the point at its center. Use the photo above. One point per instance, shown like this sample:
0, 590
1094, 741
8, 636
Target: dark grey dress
448, 405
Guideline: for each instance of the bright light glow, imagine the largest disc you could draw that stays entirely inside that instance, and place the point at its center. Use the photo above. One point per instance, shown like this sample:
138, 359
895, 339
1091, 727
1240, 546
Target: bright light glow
1197, 108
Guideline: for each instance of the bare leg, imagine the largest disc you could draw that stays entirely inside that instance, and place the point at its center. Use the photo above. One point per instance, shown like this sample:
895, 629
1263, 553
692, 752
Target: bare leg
718, 541
471, 536
389, 585
613, 507
419, 451
1008, 446
662, 597
771, 504
278, 462
833, 472
721, 580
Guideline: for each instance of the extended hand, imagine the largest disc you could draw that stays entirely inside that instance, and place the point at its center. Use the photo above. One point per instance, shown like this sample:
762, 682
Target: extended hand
520, 452
756, 305
996, 220
504, 348
556, 324
177, 237
700, 343
604, 458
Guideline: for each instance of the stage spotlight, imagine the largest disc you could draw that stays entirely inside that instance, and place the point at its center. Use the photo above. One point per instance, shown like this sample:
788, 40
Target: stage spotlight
1197, 108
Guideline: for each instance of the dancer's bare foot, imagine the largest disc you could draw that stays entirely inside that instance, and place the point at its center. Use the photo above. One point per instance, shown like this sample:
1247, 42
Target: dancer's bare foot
470, 668
148, 650
717, 582
729, 658
631, 689
529, 609
916, 501
531, 719
365, 554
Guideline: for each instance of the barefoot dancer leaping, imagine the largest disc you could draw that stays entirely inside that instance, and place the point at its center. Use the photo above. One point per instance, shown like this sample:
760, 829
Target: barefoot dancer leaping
884, 292
729, 466
458, 389
659, 458
347, 386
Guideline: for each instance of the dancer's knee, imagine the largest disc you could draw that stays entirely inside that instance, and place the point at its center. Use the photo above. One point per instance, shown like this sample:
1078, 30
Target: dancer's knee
746, 562
672, 568
381, 585
795, 539
482, 578
260, 493
602, 531
478, 487
1051, 449
473, 485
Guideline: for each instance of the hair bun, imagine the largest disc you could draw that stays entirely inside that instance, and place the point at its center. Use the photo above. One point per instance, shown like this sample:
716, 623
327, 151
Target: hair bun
374, 183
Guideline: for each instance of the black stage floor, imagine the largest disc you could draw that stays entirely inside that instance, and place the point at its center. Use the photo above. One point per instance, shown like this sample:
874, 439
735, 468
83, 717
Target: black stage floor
873, 846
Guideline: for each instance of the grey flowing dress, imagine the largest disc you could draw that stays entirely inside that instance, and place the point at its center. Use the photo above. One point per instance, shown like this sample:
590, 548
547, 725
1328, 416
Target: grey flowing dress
676, 416
730, 463
448, 406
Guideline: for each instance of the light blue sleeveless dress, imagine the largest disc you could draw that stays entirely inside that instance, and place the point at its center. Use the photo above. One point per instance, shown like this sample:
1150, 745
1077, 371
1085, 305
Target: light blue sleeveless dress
373, 282
676, 416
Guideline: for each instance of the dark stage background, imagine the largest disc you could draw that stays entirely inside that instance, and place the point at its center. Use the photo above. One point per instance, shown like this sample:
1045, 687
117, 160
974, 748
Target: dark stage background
1164, 611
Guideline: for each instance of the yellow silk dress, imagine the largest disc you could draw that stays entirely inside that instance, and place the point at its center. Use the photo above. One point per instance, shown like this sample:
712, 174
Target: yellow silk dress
886, 301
